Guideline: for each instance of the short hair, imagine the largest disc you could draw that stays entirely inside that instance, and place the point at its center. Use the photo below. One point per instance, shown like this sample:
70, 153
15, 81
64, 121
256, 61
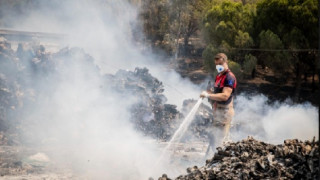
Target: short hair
223, 56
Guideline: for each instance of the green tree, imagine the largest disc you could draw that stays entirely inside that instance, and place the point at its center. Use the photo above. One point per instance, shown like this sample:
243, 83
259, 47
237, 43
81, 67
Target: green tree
185, 19
274, 59
295, 23
236, 69
227, 26
167, 21
208, 56
243, 39
155, 19
249, 65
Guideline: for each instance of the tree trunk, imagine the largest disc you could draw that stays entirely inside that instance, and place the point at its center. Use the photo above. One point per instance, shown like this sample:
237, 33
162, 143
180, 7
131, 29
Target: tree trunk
305, 77
313, 80
185, 46
186, 40
178, 35
298, 83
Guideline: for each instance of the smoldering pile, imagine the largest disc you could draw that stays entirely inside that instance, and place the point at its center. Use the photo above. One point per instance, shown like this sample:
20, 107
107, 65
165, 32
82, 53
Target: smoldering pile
253, 159
202, 120
150, 114
23, 71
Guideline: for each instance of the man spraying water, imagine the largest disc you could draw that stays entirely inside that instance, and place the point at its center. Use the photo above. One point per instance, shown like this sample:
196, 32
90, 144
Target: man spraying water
220, 95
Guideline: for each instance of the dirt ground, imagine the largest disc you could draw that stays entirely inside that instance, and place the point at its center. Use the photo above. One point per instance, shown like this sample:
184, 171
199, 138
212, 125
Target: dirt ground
20, 162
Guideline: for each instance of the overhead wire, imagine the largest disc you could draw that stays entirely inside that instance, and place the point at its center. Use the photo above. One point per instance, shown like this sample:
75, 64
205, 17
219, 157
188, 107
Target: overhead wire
278, 50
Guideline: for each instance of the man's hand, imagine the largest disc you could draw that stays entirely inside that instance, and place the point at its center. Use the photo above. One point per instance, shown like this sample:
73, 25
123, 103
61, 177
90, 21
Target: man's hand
204, 94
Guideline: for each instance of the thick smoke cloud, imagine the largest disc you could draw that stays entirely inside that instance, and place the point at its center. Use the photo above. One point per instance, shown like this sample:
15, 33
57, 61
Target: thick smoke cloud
77, 117
88, 126
104, 29
274, 122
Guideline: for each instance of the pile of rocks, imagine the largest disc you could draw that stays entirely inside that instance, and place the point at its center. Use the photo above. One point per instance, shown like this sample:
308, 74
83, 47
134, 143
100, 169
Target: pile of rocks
253, 159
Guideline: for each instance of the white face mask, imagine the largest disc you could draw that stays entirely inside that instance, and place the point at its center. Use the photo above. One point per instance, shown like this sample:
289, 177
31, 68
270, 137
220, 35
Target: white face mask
219, 68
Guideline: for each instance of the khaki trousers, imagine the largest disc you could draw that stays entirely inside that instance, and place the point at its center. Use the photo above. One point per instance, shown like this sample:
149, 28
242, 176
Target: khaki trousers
223, 115
219, 131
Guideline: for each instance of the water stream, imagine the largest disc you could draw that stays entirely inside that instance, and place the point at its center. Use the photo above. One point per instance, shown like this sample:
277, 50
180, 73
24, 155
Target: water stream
182, 129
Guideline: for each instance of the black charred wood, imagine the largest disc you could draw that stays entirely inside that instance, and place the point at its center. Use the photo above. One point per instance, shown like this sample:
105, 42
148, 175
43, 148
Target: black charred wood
292, 160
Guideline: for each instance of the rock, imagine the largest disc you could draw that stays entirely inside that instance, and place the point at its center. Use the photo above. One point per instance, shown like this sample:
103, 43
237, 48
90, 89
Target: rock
164, 177
41, 157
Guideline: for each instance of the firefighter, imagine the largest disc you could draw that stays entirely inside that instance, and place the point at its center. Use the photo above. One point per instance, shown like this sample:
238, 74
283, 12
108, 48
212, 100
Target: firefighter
220, 95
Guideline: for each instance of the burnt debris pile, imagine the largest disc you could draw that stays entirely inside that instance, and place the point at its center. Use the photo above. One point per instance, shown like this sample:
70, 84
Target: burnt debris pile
202, 120
253, 159
150, 113
9, 88
24, 71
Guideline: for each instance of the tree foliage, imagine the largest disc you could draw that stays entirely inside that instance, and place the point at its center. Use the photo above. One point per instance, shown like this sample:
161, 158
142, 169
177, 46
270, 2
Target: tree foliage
225, 20
169, 20
155, 19
208, 55
228, 26
291, 25
274, 59
249, 64
236, 69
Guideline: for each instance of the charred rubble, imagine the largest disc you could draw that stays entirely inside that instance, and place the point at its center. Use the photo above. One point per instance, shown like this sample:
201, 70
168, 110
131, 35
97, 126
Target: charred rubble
22, 71
253, 159
150, 114
9, 89
202, 120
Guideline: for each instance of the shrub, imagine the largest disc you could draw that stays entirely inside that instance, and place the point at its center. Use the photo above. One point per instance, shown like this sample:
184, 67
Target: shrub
208, 56
249, 63
236, 69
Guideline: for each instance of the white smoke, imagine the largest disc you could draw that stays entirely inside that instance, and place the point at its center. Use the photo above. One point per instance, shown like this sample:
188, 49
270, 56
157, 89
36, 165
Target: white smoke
89, 128
104, 30
291, 122
274, 122
76, 121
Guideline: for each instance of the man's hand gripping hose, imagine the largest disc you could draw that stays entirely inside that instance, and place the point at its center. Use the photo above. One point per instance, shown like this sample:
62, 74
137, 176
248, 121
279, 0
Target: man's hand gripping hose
204, 94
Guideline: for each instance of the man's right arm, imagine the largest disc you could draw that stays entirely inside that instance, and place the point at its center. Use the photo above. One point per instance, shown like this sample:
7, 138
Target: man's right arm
224, 96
